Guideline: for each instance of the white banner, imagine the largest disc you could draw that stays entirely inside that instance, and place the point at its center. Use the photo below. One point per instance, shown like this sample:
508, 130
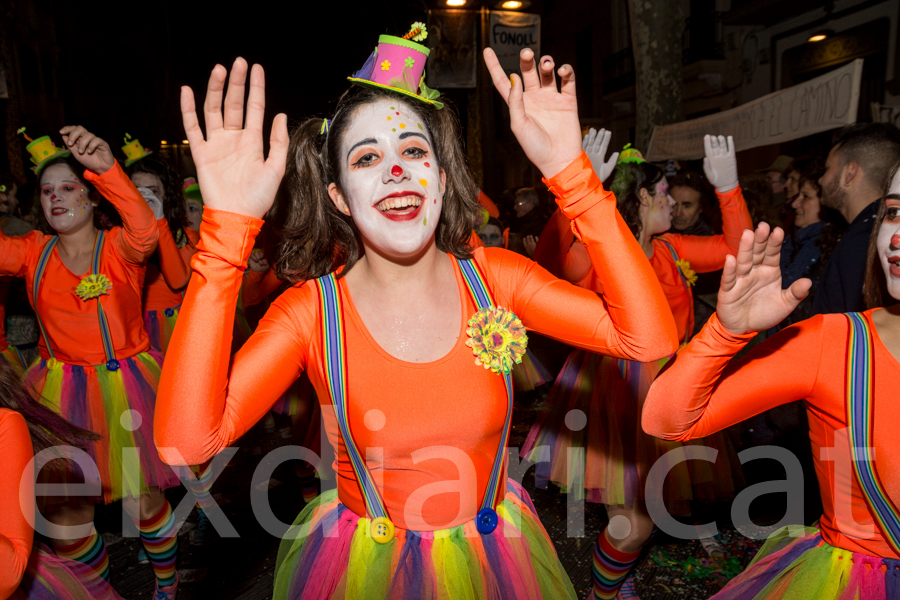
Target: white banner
510, 33
826, 102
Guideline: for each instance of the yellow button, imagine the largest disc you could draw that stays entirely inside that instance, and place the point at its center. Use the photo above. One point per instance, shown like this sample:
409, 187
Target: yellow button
382, 530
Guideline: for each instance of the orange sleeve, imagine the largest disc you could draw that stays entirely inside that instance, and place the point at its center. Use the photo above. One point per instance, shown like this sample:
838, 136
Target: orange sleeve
632, 319
206, 401
16, 535
16, 251
256, 287
475, 241
174, 266
707, 253
703, 391
488, 204
140, 234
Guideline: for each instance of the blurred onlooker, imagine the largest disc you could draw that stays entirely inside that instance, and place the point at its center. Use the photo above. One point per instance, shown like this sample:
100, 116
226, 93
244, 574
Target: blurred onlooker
530, 218
10, 222
776, 175
690, 215
858, 164
492, 235
760, 200
806, 250
796, 170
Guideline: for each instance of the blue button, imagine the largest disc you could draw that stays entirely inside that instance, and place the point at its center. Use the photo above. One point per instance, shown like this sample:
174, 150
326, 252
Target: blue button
486, 521
170, 312
112, 365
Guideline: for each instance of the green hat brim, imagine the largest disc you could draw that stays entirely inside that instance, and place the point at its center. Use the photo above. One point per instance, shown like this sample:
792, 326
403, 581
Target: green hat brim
40, 166
367, 83
193, 193
131, 161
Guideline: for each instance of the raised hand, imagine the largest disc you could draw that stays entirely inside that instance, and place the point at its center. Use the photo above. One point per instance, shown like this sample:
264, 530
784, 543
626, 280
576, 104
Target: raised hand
595, 144
750, 295
233, 173
154, 202
544, 120
257, 261
720, 164
88, 149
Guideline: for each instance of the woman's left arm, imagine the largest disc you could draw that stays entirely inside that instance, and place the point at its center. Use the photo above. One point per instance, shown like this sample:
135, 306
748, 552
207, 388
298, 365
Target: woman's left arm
104, 172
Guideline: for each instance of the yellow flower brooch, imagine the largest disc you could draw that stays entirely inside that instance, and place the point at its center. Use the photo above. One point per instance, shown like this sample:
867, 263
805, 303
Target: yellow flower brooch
686, 271
497, 338
92, 286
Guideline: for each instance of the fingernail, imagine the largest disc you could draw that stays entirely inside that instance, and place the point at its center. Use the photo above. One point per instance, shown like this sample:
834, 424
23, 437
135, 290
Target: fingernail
546, 60
512, 80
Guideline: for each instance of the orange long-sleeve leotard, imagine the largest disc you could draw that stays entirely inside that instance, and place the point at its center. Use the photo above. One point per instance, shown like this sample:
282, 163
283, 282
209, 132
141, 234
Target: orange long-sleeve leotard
165, 282
704, 253
71, 323
16, 535
704, 391
442, 420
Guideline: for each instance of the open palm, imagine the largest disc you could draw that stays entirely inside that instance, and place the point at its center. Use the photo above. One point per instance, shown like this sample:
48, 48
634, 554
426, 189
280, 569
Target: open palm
233, 173
544, 120
750, 295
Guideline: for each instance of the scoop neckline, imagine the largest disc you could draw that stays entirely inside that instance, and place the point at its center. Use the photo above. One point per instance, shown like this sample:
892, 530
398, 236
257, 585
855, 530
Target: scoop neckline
460, 340
876, 338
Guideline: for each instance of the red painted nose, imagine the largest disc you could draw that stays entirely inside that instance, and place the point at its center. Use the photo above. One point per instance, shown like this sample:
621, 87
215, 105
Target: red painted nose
895, 240
396, 171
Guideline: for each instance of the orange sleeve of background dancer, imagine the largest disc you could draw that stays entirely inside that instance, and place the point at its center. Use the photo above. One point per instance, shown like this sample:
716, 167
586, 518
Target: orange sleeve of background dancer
707, 253
256, 287
173, 266
16, 535
206, 401
488, 204
703, 391
140, 234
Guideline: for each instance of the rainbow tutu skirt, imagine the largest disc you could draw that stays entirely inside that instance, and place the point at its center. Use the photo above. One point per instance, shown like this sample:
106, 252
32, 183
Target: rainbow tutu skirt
328, 554
159, 326
807, 567
591, 439
50, 577
119, 406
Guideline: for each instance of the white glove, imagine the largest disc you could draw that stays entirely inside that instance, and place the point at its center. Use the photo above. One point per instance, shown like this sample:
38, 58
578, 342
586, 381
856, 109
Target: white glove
153, 201
720, 164
595, 144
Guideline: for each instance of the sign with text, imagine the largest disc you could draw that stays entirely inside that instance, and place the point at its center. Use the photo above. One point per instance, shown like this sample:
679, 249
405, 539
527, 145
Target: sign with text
510, 32
826, 102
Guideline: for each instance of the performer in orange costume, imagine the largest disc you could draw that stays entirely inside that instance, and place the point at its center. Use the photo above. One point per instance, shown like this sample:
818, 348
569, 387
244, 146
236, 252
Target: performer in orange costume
95, 369
31, 569
169, 271
846, 368
416, 392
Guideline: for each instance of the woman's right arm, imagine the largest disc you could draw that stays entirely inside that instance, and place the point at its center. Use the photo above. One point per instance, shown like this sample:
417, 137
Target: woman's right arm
15, 252
16, 535
206, 399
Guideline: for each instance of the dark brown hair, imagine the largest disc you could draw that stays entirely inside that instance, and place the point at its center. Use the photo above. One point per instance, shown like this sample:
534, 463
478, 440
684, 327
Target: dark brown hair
173, 204
105, 214
316, 236
875, 291
629, 179
47, 428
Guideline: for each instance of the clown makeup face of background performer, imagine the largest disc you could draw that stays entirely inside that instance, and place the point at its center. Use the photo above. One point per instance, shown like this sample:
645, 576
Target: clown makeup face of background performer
65, 199
887, 243
389, 181
656, 209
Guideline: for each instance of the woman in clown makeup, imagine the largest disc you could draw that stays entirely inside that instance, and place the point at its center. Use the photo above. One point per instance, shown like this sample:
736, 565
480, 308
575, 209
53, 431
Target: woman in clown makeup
84, 280
846, 368
408, 335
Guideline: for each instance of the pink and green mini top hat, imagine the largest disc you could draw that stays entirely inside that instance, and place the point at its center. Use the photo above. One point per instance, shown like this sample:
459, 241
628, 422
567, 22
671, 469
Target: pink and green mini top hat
42, 151
191, 189
134, 151
398, 64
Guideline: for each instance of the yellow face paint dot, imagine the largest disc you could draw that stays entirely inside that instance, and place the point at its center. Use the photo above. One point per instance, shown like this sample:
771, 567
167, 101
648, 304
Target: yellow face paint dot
389, 118
425, 221
424, 182
402, 125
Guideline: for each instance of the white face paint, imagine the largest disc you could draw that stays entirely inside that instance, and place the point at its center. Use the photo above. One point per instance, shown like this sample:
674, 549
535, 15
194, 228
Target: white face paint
65, 200
390, 180
657, 217
888, 241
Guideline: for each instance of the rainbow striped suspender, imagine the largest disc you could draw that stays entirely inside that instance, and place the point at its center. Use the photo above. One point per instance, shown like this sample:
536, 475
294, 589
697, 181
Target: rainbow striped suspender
381, 528
111, 363
860, 422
